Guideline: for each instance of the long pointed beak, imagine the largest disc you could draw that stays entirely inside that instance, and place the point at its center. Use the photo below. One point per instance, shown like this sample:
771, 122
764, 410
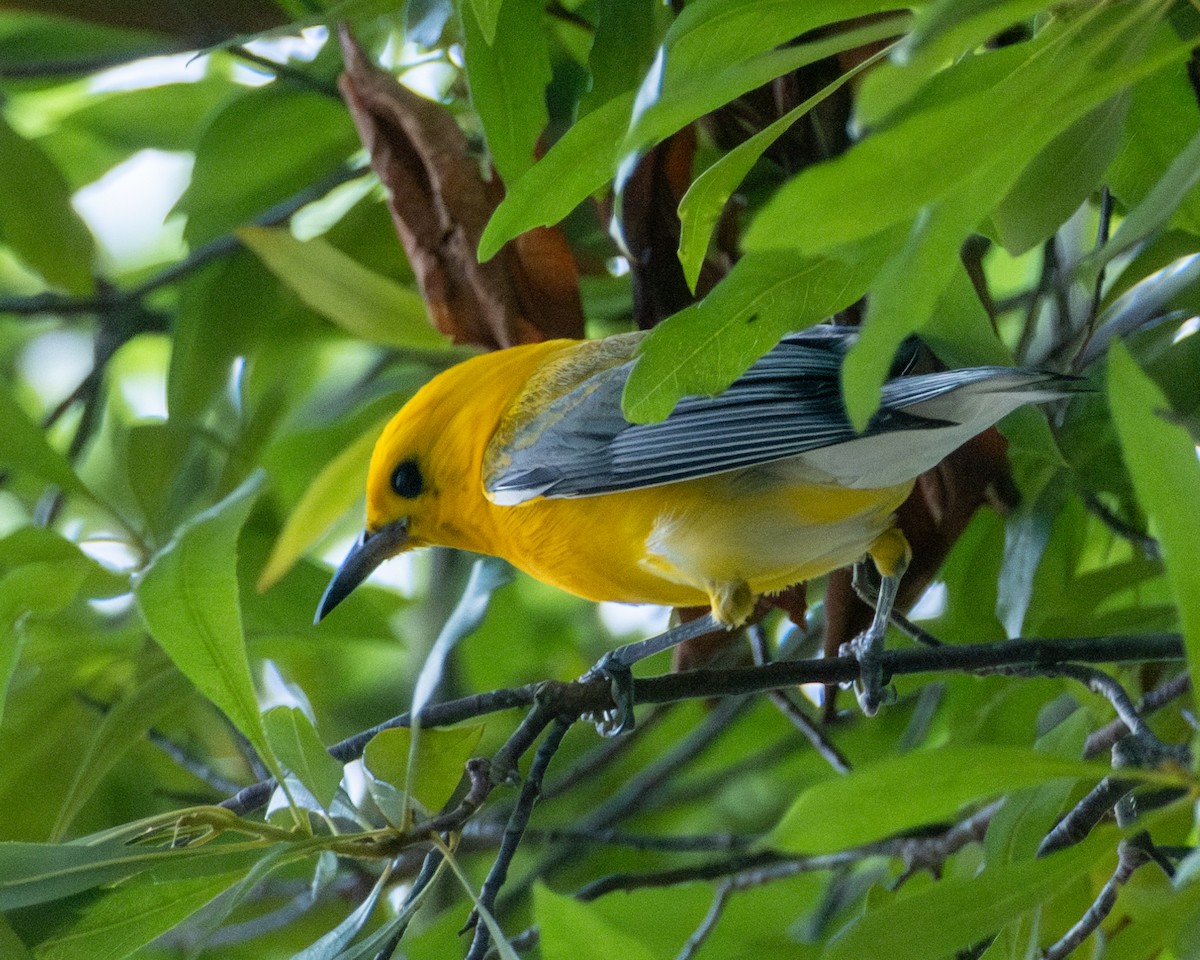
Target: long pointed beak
368, 552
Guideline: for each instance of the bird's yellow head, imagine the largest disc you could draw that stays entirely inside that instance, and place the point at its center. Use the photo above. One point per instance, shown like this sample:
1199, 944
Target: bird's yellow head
424, 484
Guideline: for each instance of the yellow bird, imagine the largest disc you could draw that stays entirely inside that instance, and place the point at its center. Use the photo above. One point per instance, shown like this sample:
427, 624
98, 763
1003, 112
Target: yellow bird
524, 454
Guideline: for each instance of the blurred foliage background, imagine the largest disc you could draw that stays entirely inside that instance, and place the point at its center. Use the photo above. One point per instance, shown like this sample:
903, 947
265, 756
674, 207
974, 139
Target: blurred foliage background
231, 246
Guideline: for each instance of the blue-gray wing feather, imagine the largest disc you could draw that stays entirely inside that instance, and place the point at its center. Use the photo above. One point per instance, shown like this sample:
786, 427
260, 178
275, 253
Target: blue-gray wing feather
787, 404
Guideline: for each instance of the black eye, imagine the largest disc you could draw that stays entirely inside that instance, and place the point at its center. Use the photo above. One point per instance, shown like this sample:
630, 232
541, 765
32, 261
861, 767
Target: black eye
406, 479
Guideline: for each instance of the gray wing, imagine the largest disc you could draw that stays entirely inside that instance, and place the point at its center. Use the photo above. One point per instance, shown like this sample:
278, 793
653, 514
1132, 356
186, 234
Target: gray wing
788, 403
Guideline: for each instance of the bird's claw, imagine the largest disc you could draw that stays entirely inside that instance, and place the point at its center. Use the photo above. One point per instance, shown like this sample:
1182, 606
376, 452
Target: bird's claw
870, 689
619, 719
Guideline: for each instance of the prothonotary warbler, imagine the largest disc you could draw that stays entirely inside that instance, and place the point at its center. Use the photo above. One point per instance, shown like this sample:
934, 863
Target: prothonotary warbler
524, 454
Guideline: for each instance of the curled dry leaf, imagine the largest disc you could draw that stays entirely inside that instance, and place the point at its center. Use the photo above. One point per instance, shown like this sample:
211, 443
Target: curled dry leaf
440, 205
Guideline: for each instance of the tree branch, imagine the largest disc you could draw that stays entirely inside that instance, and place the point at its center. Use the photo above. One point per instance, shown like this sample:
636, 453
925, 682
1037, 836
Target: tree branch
577, 698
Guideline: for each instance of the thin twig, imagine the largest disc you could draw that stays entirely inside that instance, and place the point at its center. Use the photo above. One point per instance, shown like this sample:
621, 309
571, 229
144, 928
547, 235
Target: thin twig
285, 71
514, 832
608, 752
1102, 740
809, 728
644, 784
1130, 856
708, 924
1146, 544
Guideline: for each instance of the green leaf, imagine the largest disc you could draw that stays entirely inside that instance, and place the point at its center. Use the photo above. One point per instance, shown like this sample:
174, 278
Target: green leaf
26, 452
905, 294
1060, 178
131, 916
36, 216
332, 492
123, 726
1162, 121
330, 946
622, 49
437, 766
943, 32
260, 149
296, 744
234, 294
955, 913
188, 598
910, 791
571, 171
712, 34
487, 16
35, 589
361, 302
1027, 531
1017, 828
33, 873
702, 205
571, 930
1161, 457
108, 128
974, 118
508, 81
670, 101
704, 348
10, 944
1155, 209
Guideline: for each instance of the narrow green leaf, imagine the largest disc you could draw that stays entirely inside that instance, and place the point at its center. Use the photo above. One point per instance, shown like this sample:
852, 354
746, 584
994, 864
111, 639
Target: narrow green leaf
1060, 178
905, 294
703, 349
942, 33
1026, 533
668, 103
11, 946
332, 943
437, 766
35, 589
33, 873
122, 726
332, 492
1161, 457
236, 295
955, 913
702, 205
188, 597
913, 790
36, 216
260, 149
622, 49
487, 16
571, 171
571, 930
977, 116
296, 744
358, 300
1018, 827
131, 916
1162, 120
508, 81
1156, 209
712, 34
26, 452
488, 574
499, 940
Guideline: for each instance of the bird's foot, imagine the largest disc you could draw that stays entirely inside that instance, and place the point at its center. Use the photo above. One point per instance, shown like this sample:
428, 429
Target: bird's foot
869, 689
619, 719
